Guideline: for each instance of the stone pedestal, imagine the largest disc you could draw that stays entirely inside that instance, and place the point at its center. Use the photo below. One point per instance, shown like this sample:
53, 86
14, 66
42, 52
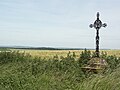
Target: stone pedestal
95, 65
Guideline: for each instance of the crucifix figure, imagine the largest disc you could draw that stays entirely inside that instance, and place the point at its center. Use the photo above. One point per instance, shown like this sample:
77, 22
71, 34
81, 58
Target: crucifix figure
97, 25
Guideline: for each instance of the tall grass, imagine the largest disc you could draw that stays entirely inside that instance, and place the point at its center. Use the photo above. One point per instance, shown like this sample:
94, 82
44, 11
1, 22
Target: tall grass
21, 71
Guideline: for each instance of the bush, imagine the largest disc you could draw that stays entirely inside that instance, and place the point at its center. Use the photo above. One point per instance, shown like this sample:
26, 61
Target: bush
85, 56
12, 56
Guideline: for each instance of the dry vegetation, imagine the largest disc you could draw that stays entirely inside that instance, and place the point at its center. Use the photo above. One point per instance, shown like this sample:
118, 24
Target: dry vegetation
51, 53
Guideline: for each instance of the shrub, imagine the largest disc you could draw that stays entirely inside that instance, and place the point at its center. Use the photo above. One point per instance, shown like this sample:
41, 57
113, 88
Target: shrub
84, 57
12, 56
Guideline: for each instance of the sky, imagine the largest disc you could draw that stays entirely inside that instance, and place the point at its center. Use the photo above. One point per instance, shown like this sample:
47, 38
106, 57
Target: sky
59, 23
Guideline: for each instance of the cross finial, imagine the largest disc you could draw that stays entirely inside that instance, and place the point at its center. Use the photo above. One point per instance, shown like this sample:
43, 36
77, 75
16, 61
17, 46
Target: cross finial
98, 15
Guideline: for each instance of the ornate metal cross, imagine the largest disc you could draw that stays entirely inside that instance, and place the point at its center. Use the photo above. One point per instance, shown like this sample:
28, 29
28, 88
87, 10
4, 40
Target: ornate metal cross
97, 25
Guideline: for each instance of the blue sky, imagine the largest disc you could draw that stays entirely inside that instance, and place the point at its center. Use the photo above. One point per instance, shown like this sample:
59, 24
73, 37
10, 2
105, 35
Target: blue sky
58, 23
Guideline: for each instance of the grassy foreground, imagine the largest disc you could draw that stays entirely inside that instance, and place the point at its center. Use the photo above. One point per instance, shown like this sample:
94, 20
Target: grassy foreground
20, 71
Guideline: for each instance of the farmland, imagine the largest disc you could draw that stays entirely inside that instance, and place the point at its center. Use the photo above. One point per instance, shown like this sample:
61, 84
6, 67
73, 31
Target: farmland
51, 53
45, 70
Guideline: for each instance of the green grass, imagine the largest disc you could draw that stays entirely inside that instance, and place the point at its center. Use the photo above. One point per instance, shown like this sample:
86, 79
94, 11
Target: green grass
103, 82
20, 71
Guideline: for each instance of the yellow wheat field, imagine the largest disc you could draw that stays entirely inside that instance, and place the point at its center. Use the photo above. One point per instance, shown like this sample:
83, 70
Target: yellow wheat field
52, 53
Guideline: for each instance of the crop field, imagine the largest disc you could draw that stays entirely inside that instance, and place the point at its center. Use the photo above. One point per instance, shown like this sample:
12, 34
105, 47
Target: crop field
52, 53
57, 70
